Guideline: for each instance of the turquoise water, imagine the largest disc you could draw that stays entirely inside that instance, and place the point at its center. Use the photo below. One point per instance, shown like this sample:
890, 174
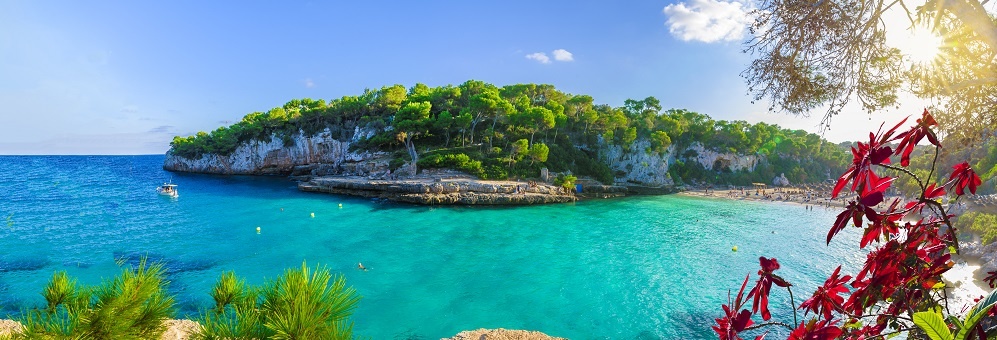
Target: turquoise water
645, 267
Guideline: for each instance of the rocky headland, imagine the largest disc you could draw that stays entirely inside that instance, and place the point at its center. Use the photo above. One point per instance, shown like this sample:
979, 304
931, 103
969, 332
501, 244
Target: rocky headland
440, 191
324, 162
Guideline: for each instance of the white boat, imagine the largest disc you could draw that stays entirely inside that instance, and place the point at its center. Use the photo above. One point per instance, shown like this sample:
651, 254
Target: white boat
168, 189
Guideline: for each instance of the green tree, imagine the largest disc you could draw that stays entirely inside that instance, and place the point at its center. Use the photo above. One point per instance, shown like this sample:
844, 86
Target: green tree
300, 304
410, 122
660, 141
444, 122
517, 150
133, 305
538, 153
831, 53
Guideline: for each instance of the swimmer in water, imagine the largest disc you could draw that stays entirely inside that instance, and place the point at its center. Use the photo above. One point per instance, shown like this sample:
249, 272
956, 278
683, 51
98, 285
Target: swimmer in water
361, 267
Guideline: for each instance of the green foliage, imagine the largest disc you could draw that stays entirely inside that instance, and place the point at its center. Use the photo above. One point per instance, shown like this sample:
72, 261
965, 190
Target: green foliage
480, 118
133, 305
981, 223
933, 324
302, 303
228, 290
538, 152
458, 161
975, 315
565, 181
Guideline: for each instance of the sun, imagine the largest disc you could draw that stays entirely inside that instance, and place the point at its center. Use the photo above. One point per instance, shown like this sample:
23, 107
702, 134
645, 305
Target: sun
921, 46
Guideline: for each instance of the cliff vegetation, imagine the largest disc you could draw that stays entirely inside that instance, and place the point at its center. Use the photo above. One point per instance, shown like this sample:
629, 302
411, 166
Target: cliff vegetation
515, 130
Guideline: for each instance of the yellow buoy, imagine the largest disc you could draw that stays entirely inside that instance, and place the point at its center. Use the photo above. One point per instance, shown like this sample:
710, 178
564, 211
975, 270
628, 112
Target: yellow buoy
313, 215
257, 230
340, 205
734, 248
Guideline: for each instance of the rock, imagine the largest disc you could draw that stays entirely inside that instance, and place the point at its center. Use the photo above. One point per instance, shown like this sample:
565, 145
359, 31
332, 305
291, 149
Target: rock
781, 181
9, 327
308, 155
442, 192
180, 329
501, 334
175, 329
638, 166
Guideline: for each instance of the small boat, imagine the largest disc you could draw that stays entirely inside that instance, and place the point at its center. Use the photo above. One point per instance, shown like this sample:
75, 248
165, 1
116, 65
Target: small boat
168, 189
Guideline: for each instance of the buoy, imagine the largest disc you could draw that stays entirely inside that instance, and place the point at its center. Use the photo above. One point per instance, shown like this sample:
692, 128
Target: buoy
313, 215
257, 230
734, 248
340, 205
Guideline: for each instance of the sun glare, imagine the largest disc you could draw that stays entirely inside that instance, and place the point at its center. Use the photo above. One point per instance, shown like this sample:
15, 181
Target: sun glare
921, 46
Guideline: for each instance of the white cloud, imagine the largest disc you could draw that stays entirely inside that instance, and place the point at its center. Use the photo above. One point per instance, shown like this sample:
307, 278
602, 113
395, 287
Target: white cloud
539, 56
309, 83
562, 55
708, 20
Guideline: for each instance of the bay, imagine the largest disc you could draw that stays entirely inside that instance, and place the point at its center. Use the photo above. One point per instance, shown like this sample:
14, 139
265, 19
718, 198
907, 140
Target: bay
641, 267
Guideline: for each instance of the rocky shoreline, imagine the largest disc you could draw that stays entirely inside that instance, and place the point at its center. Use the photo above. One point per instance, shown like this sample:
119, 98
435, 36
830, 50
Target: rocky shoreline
442, 191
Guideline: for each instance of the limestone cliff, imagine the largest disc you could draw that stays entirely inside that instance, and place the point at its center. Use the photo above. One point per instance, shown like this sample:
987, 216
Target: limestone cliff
636, 165
711, 159
273, 157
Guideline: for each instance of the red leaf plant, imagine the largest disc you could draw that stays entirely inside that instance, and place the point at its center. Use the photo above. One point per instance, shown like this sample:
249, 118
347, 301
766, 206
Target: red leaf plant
766, 278
826, 298
913, 136
963, 176
903, 266
815, 330
991, 279
733, 321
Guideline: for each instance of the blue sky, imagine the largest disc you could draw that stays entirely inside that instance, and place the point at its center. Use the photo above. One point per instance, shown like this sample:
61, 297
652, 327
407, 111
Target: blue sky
125, 77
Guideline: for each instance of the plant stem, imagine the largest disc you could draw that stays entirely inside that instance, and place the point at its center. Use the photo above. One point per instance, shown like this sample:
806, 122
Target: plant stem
771, 323
792, 303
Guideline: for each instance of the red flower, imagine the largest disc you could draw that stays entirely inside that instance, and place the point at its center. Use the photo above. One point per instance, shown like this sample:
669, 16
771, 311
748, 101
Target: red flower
963, 176
765, 280
884, 224
910, 138
814, 330
864, 156
733, 322
992, 279
933, 192
871, 196
826, 298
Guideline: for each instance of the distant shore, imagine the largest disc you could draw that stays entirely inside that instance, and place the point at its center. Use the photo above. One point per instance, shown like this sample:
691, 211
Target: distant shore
971, 264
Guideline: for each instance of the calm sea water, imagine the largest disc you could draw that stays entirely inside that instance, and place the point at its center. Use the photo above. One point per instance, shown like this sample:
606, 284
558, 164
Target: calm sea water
644, 267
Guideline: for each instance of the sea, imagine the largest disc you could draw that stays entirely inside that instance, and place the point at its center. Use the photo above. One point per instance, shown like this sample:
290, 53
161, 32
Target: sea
646, 267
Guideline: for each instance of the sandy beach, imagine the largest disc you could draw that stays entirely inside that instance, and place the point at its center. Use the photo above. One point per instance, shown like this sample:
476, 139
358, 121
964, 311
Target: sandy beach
818, 196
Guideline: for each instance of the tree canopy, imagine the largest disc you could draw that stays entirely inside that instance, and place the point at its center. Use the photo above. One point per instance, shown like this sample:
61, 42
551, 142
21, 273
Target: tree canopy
827, 54
512, 131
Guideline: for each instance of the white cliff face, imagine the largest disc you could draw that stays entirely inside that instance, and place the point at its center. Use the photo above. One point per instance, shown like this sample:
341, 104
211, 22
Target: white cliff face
256, 157
651, 169
708, 158
641, 167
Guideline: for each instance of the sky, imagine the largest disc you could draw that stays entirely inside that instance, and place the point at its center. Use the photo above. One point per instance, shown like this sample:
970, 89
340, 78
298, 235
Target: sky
117, 77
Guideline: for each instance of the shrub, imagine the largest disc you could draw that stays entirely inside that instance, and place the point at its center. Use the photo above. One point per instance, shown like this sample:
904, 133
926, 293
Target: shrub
981, 223
133, 305
565, 181
300, 304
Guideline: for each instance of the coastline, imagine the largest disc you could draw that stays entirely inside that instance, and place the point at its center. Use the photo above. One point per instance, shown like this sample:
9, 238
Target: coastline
964, 280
